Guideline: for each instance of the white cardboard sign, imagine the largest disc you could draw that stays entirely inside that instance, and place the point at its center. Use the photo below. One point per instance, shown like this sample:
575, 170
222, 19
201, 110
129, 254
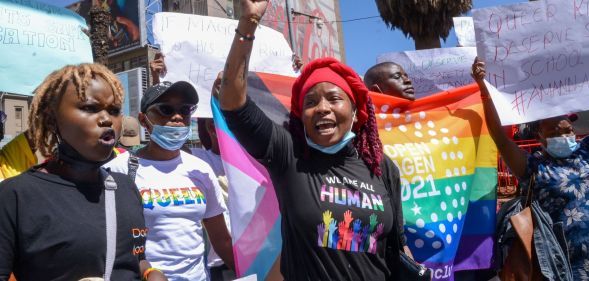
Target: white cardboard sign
537, 57
464, 29
196, 47
434, 70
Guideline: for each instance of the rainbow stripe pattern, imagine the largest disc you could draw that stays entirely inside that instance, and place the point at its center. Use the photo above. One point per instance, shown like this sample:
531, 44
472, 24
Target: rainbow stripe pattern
448, 166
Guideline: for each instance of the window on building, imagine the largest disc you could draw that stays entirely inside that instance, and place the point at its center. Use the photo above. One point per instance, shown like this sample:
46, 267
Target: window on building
19, 119
140, 61
116, 67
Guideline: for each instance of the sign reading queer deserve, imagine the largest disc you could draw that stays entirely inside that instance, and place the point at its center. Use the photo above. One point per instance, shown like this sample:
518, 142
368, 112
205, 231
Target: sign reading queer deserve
36, 39
196, 47
464, 29
434, 70
537, 57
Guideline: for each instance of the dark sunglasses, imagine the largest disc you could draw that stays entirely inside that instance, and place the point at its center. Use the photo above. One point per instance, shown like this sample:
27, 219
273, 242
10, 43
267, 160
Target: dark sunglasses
167, 110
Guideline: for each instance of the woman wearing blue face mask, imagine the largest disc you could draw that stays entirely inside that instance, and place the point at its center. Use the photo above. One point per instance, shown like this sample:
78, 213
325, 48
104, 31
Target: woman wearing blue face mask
338, 195
561, 171
180, 192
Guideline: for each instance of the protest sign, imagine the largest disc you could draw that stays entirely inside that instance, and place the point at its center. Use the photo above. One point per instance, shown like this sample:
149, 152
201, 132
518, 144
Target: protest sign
36, 39
434, 70
196, 47
446, 159
464, 29
537, 55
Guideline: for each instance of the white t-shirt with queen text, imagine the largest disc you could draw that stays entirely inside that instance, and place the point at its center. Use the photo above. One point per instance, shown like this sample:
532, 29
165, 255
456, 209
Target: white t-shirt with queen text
177, 194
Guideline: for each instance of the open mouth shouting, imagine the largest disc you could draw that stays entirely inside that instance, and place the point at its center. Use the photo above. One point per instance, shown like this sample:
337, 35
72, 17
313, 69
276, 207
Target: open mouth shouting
107, 138
325, 127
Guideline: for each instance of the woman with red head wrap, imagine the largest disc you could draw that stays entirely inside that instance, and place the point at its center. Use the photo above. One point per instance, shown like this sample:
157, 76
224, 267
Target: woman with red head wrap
338, 196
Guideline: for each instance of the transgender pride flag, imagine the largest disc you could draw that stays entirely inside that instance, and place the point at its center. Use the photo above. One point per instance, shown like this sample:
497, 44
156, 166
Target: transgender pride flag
253, 207
448, 166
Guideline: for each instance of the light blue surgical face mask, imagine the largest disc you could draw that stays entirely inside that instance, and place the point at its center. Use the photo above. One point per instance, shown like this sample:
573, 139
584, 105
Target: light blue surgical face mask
561, 147
168, 137
349, 136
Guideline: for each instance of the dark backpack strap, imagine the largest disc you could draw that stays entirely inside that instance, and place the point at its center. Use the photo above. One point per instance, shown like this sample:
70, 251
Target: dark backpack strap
132, 165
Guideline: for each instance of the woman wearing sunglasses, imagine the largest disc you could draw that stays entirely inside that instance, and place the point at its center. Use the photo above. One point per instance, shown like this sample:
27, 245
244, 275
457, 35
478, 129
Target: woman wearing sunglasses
180, 192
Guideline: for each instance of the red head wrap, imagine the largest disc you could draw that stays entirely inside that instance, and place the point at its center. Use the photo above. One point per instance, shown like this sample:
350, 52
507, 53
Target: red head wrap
332, 71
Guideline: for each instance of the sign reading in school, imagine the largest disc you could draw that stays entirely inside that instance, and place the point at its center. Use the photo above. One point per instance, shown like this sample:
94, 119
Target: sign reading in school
537, 56
434, 70
464, 29
36, 39
196, 48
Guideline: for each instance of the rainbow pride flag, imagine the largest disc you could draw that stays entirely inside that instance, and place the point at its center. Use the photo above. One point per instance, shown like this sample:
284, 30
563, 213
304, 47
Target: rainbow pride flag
448, 166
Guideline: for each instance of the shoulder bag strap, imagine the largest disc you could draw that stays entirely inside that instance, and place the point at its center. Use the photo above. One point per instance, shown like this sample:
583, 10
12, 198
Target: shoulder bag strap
110, 211
530, 192
132, 165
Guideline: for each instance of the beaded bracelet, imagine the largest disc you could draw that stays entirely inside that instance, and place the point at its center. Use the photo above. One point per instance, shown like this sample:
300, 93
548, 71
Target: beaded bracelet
248, 37
148, 271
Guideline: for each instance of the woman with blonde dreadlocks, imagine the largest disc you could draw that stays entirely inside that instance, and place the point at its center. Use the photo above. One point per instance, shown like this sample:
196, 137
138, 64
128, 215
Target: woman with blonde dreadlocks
53, 219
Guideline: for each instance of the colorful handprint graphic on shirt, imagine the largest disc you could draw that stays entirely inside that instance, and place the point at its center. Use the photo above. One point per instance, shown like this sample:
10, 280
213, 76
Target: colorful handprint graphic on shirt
349, 234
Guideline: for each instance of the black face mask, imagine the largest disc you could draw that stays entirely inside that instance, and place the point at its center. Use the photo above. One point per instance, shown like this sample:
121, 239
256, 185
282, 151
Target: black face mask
72, 157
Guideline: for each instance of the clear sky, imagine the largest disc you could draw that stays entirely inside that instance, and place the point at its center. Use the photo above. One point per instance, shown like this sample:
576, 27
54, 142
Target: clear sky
364, 40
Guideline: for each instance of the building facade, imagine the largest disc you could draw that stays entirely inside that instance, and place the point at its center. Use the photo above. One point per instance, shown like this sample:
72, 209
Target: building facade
316, 27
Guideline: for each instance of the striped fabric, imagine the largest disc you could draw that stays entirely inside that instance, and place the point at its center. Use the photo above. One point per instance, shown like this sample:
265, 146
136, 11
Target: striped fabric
448, 166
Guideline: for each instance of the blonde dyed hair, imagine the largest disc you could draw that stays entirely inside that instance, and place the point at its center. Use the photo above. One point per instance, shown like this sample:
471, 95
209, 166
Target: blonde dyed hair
42, 118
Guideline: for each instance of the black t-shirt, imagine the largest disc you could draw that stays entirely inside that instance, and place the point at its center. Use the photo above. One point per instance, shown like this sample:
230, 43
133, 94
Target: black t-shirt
53, 229
337, 217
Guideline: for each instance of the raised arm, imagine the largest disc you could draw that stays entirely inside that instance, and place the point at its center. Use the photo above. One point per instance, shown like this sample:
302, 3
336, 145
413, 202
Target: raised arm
514, 157
233, 87
157, 68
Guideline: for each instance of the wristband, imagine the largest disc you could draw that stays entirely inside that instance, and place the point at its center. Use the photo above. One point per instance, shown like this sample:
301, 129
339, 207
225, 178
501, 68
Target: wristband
248, 37
148, 271
255, 20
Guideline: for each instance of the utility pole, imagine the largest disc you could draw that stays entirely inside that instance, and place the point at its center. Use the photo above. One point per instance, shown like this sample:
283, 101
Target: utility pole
293, 42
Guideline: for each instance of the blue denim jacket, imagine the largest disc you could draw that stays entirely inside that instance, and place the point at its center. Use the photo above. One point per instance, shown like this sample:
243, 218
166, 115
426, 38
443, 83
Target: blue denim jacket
549, 241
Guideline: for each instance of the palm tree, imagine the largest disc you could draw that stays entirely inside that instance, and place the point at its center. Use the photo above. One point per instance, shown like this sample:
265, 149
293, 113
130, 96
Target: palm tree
99, 33
426, 21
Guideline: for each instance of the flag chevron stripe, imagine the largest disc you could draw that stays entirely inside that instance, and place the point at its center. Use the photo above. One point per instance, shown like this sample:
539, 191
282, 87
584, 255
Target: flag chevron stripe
261, 265
235, 155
